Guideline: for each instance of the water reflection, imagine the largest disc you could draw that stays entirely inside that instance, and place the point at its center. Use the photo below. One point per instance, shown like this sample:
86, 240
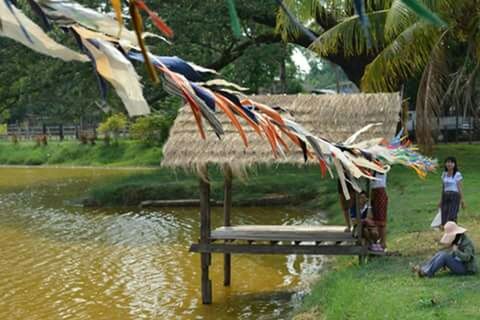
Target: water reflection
66, 262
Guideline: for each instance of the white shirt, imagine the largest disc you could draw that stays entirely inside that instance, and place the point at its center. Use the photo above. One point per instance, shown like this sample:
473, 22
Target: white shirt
451, 183
380, 181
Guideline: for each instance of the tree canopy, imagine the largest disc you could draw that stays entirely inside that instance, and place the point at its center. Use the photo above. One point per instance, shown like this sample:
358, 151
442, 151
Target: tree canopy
37, 85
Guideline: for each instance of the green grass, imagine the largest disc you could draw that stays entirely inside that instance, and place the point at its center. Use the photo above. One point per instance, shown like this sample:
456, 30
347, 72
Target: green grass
301, 184
124, 153
382, 289
385, 288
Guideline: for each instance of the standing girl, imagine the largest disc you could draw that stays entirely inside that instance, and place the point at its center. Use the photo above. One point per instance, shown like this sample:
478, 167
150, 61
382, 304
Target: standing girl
380, 206
452, 191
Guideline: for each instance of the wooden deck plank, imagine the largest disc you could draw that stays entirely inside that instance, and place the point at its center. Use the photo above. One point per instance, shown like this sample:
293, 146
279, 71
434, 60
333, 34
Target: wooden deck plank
282, 233
277, 249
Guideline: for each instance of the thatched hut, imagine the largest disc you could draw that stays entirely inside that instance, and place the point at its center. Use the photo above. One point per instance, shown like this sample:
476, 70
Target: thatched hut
333, 117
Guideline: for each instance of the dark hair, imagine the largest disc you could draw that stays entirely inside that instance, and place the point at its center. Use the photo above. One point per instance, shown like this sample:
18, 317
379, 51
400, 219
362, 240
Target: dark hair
458, 236
454, 160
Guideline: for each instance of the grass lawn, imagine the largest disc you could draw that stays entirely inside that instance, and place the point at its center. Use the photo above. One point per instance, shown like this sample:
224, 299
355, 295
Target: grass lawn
123, 153
385, 288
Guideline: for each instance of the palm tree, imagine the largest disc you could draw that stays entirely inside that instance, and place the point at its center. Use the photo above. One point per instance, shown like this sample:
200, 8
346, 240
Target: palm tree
407, 47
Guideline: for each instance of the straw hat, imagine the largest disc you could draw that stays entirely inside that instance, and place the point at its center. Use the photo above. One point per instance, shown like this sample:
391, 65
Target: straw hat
451, 230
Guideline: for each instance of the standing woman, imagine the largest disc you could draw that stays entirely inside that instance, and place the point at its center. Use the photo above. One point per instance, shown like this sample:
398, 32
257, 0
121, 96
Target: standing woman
380, 206
452, 191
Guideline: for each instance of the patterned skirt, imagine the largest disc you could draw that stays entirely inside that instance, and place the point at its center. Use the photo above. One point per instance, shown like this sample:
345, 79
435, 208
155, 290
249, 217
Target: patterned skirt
379, 206
450, 205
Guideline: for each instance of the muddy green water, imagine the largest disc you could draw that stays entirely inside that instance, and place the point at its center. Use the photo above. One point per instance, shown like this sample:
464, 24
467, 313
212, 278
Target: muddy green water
61, 261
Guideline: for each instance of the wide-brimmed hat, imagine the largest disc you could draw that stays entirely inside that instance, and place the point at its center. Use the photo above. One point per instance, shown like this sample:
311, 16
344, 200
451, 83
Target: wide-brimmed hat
451, 230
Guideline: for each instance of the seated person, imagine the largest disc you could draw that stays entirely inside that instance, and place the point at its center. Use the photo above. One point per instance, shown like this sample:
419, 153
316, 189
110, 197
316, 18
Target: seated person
369, 229
459, 257
363, 204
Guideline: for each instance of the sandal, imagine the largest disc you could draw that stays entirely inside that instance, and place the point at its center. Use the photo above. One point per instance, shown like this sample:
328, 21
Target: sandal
375, 247
418, 270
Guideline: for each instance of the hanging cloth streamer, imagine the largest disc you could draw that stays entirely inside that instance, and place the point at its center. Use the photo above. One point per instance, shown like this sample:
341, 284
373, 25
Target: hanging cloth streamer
17, 26
424, 13
234, 20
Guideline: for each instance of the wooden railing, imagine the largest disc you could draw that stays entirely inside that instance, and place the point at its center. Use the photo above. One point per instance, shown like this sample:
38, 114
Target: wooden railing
54, 132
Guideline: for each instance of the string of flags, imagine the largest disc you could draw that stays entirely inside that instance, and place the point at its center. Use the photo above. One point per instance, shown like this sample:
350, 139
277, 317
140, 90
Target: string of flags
111, 47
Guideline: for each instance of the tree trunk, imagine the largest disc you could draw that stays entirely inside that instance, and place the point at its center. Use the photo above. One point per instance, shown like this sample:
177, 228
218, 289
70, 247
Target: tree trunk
283, 76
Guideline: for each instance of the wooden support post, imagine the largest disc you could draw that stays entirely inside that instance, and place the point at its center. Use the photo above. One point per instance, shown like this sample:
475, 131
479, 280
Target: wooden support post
363, 241
361, 257
227, 209
205, 229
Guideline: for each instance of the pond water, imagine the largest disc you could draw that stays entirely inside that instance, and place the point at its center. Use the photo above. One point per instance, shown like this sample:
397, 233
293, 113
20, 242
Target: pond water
61, 261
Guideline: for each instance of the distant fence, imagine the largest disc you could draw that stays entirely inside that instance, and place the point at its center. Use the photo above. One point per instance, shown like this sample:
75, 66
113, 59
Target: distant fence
54, 132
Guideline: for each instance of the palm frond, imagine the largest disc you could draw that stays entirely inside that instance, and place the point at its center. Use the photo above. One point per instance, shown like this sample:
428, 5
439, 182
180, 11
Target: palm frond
441, 5
422, 11
307, 11
430, 95
348, 36
399, 18
370, 5
375, 5
404, 57
304, 11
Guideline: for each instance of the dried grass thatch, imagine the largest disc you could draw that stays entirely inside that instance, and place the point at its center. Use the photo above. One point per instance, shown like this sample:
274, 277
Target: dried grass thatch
333, 117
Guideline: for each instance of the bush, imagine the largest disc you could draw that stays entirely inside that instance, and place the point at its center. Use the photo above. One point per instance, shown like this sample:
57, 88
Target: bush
152, 129
86, 137
3, 129
41, 140
113, 125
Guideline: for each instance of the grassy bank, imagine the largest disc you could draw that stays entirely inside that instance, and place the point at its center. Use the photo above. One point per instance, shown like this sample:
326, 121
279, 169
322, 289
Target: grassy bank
385, 288
300, 184
123, 153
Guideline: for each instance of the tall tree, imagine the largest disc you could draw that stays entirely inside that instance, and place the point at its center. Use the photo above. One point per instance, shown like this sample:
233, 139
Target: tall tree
38, 85
404, 47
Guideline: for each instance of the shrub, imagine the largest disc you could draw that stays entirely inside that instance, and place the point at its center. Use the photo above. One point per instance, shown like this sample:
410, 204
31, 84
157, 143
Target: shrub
87, 137
14, 139
106, 139
113, 125
3, 129
83, 137
41, 140
92, 138
152, 129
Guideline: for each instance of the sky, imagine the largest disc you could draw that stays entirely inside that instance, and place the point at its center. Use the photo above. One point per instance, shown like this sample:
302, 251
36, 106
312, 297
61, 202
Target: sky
300, 61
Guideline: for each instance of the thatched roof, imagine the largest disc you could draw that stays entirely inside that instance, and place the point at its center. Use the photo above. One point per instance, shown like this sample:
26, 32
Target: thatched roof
333, 117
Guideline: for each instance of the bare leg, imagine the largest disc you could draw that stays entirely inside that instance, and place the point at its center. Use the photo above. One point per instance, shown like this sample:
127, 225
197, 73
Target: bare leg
382, 235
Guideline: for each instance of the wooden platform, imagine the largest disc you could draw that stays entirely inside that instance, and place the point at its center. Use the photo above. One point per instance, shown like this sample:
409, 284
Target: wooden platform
262, 239
282, 233
281, 239
228, 248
